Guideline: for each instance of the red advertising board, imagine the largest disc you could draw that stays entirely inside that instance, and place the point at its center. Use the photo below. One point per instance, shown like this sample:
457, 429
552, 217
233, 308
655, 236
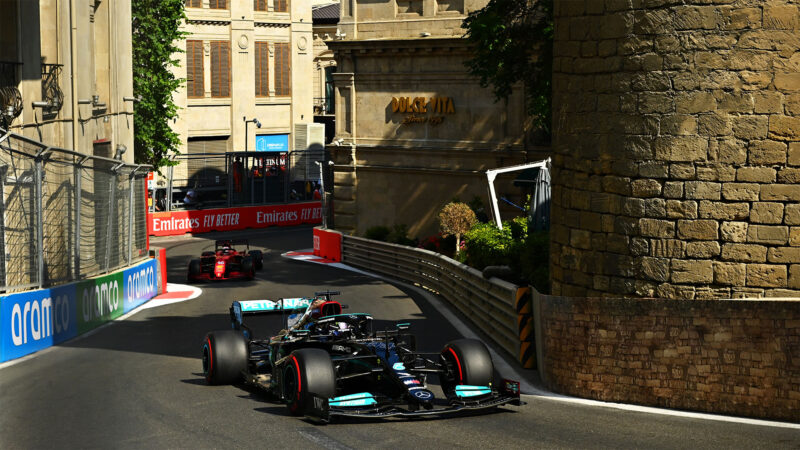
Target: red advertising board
328, 244
173, 223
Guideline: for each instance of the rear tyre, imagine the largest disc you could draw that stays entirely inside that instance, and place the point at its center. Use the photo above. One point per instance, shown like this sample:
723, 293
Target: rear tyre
467, 361
258, 258
195, 268
247, 267
307, 371
208, 253
225, 355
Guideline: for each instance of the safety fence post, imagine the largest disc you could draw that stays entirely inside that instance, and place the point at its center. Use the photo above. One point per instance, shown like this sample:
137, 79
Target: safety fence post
3, 170
37, 174
110, 218
78, 200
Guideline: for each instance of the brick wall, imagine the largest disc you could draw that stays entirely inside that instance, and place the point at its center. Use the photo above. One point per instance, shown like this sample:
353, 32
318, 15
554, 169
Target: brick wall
739, 357
676, 148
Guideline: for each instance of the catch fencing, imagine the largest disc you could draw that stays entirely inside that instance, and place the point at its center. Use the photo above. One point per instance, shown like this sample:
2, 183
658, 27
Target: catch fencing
65, 215
488, 303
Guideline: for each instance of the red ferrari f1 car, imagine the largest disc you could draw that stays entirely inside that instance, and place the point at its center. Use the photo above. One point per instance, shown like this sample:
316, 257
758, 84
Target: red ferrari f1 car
226, 262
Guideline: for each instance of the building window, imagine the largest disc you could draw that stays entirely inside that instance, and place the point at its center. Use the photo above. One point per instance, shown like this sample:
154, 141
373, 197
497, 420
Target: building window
195, 84
220, 69
218, 4
449, 6
281, 5
409, 7
262, 69
194, 3
283, 69
260, 5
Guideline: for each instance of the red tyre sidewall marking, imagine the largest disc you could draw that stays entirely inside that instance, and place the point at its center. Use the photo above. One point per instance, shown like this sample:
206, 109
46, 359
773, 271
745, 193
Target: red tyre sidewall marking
210, 359
299, 383
460, 374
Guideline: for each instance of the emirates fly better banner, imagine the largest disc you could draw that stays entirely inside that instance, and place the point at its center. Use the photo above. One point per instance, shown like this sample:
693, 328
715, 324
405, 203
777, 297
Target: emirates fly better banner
200, 221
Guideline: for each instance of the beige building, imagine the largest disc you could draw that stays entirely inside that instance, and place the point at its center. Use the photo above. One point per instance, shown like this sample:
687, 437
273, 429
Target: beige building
243, 60
65, 73
413, 129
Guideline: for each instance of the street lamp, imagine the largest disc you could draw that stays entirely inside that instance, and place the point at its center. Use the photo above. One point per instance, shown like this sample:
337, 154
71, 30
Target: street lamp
247, 122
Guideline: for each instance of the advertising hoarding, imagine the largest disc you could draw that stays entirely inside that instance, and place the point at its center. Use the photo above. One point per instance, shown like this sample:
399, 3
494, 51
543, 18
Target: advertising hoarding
272, 143
32, 321
173, 223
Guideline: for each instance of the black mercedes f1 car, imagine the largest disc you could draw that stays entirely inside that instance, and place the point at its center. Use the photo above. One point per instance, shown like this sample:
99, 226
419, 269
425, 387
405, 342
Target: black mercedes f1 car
325, 364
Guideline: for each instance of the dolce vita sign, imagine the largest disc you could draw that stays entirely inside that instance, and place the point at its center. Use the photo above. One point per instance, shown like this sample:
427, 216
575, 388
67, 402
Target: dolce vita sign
416, 109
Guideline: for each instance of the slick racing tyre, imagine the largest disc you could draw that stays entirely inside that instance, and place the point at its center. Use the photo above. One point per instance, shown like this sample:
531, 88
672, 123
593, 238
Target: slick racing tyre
195, 268
467, 361
247, 267
258, 258
225, 355
307, 371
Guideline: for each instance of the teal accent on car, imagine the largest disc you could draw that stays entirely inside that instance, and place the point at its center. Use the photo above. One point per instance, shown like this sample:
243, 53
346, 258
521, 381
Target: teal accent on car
398, 366
270, 305
360, 399
472, 391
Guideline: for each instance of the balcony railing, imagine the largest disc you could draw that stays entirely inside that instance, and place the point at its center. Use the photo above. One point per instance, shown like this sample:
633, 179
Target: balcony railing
10, 96
51, 91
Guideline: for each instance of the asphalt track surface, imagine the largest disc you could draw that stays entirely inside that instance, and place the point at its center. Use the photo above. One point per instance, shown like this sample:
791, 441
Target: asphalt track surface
137, 383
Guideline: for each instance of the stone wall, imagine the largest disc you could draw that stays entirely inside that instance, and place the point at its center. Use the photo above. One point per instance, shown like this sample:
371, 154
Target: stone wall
739, 357
676, 148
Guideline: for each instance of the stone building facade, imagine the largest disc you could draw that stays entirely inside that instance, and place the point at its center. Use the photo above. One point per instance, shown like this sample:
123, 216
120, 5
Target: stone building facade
676, 168
413, 129
69, 66
242, 59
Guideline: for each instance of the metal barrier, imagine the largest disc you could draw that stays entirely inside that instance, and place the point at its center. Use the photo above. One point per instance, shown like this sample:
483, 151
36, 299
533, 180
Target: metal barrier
489, 304
66, 216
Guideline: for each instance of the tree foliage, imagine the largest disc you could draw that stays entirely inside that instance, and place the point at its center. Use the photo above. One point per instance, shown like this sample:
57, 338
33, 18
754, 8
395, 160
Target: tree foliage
513, 42
456, 219
156, 34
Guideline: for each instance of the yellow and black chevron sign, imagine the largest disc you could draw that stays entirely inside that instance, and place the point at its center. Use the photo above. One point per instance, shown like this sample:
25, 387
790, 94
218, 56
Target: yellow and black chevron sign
527, 349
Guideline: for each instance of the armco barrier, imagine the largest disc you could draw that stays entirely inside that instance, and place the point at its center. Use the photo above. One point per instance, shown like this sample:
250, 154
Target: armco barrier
32, 321
489, 304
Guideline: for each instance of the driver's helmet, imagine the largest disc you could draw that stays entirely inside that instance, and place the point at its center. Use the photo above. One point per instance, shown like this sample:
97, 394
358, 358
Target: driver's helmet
226, 249
341, 328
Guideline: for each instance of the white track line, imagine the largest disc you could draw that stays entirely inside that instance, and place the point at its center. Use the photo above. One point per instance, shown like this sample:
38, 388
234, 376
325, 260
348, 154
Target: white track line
531, 391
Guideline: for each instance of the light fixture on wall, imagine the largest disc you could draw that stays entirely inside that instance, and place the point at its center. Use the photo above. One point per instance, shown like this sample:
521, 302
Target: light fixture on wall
424, 34
121, 149
246, 123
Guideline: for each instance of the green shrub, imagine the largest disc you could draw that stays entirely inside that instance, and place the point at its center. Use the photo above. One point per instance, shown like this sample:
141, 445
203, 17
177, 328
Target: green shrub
377, 233
526, 254
399, 235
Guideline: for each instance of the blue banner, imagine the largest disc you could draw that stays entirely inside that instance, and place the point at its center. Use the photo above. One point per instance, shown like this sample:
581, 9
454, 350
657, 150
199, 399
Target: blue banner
32, 321
141, 284
272, 143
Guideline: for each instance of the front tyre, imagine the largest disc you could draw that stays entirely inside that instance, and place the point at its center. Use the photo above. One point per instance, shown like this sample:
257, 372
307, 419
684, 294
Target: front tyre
225, 355
467, 361
307, 371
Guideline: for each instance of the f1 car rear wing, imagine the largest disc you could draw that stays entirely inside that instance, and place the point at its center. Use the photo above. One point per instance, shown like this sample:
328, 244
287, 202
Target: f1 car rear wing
241, 308
230, 243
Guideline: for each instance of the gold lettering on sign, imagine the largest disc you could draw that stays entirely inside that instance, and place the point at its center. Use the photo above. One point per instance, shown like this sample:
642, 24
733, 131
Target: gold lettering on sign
421, 105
